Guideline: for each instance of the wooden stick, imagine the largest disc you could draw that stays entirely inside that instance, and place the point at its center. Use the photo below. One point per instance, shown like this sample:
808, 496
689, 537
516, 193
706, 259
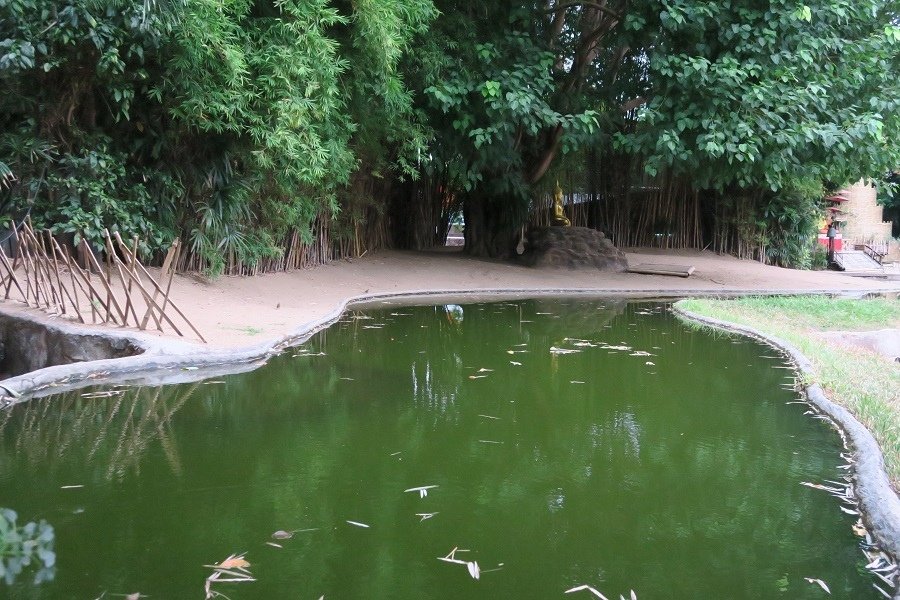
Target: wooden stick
43, 265
109, 295
174, 306
150, 302
73, 267
59, 283
171, 277
170, 262
74, 295
26, 265
111, 253
12, 275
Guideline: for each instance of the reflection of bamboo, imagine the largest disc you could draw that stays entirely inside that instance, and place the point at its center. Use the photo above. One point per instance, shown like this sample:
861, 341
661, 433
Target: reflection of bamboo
131, 420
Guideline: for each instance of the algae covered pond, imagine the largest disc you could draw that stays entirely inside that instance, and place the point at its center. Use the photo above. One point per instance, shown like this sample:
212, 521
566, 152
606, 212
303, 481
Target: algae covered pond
569, 443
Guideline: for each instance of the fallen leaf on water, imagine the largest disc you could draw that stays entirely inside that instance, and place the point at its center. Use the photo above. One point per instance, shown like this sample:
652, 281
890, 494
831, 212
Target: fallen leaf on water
474, 571
820, 583
358, 524
422, 489
555, 350
234, 562
588, 588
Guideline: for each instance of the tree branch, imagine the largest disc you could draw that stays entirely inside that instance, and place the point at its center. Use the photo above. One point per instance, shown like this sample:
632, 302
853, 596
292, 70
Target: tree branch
595, 5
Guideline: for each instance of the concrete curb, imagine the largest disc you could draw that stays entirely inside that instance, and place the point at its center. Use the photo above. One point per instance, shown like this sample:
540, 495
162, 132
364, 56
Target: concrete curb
879, 503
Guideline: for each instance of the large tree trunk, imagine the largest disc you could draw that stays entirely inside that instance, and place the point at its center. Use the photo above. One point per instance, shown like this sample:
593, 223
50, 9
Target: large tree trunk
491, 227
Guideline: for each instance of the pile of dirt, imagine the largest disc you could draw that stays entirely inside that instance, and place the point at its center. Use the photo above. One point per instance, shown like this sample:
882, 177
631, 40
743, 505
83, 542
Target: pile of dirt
572, 247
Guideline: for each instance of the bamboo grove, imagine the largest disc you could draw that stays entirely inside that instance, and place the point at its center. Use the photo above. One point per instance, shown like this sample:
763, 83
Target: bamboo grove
277, 134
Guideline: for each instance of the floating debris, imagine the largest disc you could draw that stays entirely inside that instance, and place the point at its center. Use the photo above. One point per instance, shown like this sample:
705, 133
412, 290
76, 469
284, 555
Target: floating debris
422, 489
575, 381
472, 566
555, 350
274, 545
477, 376
489, 417
489, 442
425, 516
514, 363
71, 487
234, 569
106, 394
214, 382
819, 582
588, 588
358, 524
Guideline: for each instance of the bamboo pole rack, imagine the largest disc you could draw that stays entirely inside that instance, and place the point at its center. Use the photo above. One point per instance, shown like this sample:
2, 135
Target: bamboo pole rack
110, 288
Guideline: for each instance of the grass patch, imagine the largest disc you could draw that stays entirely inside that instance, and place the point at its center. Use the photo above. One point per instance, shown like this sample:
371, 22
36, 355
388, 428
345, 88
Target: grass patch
864, 382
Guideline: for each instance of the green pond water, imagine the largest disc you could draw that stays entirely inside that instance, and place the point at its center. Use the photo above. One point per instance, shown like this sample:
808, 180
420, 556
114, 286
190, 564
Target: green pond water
597, 443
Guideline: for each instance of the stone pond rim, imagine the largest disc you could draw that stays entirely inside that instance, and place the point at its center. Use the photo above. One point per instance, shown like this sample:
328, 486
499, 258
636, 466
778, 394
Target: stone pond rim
572, 247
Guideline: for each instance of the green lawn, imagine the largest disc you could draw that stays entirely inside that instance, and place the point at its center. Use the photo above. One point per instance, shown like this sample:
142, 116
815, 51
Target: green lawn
861, 380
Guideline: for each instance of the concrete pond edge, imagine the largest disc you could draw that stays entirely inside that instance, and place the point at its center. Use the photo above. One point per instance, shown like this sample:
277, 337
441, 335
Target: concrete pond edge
877, 499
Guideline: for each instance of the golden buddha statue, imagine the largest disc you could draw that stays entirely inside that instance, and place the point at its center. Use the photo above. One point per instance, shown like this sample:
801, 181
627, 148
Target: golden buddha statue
559, 216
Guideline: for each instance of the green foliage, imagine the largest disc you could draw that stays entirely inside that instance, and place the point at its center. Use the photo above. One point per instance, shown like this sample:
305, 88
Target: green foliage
229, 123
764, 95
20, 547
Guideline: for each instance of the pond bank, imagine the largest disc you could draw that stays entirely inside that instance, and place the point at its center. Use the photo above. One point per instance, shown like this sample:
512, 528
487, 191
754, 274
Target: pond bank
247, 319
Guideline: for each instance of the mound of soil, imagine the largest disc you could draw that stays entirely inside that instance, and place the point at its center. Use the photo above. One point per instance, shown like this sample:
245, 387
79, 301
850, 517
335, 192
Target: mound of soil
572, 247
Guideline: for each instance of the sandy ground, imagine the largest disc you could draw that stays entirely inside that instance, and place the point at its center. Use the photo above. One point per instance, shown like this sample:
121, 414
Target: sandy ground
234, 312
241, 311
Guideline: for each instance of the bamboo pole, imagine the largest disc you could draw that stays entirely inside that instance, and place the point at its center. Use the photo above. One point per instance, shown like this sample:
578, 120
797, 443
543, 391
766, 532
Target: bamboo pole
111, 299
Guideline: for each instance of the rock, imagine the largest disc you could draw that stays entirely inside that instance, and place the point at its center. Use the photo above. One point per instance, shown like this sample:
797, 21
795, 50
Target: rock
572, 247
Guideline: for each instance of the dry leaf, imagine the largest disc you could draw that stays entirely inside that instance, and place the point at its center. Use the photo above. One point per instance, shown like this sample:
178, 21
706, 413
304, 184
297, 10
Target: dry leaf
235, 562
820, 583
474, 571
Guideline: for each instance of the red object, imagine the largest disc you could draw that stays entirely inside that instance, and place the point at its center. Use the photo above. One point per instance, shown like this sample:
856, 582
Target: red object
838, 242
